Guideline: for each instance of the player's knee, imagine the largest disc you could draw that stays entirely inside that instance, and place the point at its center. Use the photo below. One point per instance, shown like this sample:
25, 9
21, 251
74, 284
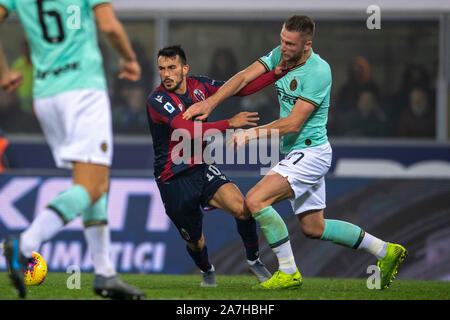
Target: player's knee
97, 189
243, 215
252, 203
94, 178
96, 194
241, 211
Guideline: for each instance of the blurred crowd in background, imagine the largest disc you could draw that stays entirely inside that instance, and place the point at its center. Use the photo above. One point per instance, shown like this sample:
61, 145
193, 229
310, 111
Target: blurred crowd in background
383, 81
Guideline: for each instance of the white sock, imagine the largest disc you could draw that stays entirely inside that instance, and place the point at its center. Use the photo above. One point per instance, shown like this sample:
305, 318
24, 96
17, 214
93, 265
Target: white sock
43, 228
98, 239
285, 257
373, 245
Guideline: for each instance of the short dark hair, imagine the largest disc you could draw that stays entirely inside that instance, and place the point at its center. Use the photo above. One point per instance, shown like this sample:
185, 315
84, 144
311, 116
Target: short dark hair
172, 52
302, 24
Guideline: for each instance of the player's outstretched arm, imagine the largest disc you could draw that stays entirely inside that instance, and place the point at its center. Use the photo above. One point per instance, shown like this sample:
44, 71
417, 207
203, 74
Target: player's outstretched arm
243, 119
230, 88
261, 82
290, 124
196, 129
111, 26
9, 80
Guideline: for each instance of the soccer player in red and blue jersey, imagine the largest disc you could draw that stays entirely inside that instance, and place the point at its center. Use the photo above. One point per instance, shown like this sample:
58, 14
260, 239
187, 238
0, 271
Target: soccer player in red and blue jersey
188, 186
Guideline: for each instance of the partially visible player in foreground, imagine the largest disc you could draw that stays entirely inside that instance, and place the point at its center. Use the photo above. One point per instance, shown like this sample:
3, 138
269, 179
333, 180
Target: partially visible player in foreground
73, 108
189, 185
304, 96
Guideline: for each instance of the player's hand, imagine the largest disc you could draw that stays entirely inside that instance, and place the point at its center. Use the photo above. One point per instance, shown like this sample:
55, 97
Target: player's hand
240, 138
130, 70
283, 66
244, 119
200, 111
11, 80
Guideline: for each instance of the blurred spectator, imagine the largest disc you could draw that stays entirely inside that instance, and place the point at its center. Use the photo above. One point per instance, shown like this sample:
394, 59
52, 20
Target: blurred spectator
417, 119
142, 55
223, 64
368, 119
9, 111
358, 79
128, 100
25, 91
356, 107
109, 63
13, 119
25, 119
129, 114
414, 76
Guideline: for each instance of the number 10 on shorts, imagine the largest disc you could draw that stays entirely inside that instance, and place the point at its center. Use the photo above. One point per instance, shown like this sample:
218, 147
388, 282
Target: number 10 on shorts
212, 172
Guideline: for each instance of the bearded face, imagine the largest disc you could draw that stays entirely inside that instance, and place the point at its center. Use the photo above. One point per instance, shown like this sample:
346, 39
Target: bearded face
172, 73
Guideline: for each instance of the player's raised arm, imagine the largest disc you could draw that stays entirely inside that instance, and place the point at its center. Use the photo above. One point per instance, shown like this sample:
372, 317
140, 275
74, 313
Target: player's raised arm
230, 88
9, 80
111, 26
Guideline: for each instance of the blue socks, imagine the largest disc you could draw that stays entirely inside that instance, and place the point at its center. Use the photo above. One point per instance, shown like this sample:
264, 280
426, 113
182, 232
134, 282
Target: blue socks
200, 258
249, 236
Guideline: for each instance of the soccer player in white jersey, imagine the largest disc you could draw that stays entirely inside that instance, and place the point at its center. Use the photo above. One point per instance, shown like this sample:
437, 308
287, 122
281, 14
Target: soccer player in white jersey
73, 108
304, 96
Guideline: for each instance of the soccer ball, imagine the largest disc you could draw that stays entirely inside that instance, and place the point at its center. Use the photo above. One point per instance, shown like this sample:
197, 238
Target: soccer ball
36, 270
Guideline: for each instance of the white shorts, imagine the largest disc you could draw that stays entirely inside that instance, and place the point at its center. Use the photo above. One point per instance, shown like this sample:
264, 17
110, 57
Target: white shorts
77, 125
305, 170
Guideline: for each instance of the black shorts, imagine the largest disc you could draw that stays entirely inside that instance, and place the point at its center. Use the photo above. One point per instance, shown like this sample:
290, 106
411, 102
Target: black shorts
186, 193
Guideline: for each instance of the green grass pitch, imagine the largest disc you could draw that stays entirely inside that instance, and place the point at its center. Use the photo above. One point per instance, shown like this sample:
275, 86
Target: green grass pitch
186, 287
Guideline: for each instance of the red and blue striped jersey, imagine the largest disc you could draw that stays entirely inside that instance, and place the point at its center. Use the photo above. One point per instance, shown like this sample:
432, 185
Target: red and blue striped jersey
164, 111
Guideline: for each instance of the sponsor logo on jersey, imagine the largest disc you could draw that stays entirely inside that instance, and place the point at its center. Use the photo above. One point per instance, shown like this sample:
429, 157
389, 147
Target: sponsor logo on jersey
56, 72
170, 108
159, 99
285, 96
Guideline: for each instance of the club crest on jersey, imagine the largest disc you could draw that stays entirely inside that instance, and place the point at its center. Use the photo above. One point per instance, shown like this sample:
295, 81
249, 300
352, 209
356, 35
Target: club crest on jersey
199, 95
293, 85
170, 108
